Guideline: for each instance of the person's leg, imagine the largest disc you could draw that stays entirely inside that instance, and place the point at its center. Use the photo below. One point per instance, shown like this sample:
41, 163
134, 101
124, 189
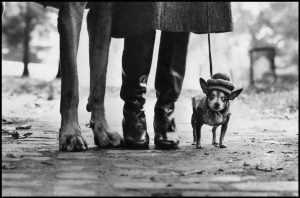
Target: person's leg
168, 83
99, 22
136, 63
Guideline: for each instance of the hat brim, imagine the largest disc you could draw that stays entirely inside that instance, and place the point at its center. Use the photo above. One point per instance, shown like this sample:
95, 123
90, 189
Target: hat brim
220, 82
221, 88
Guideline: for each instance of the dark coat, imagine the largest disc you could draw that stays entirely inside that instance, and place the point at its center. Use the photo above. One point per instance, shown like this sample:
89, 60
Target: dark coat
132, 18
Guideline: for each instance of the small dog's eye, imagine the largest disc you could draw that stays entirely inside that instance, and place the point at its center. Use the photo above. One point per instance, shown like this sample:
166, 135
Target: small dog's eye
211, 97
223, 99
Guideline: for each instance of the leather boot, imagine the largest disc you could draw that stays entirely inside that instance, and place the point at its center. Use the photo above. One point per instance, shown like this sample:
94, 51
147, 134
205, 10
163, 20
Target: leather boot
168, 84
165, 127
135, 129
136, 63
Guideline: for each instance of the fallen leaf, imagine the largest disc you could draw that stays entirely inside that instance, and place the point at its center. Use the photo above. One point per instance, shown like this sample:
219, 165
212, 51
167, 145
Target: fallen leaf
8, 131
287, 144
7, 121
15, 135
26, 135
291, 179
11, 155
47, 163
50, 97
167, 194
23, 127
264, 169
287, 117
206, 153
229, 161
286, 152
270, 151
191, 172
8, 167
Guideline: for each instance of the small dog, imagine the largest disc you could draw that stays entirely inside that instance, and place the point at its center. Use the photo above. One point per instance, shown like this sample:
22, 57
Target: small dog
213, 108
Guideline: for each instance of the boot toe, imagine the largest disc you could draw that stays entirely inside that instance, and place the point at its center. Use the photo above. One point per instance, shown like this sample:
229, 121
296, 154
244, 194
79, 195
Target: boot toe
171, 141
136, 144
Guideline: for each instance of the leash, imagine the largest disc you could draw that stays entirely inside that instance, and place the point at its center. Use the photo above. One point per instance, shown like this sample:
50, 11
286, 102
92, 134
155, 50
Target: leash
208, 36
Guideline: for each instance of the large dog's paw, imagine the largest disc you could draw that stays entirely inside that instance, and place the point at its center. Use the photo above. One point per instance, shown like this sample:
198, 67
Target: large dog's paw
104, 138
72, 143
115, 139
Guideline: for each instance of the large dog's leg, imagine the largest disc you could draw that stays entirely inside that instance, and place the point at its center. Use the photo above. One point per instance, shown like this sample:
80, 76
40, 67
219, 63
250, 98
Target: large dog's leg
99, 21
3, 7
69, 26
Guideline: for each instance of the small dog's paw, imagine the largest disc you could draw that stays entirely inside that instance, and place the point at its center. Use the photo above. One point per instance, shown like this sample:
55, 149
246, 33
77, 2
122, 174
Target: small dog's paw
199, 147
194, 143
223, 146
215, 144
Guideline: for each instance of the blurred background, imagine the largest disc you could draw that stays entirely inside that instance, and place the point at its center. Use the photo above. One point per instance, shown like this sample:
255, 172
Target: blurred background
30, 46
260, 55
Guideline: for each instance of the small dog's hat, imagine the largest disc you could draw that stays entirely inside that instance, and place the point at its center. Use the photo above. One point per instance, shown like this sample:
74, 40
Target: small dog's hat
221, 82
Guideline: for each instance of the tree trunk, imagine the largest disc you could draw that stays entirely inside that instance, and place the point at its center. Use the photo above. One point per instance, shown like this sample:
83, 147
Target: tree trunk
26, 52
58, 75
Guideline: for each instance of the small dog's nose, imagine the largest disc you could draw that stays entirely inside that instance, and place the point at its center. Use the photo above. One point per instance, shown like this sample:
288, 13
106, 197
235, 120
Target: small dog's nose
217, 105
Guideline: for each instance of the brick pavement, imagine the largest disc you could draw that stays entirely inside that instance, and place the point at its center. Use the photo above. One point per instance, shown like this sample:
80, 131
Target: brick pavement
34, 167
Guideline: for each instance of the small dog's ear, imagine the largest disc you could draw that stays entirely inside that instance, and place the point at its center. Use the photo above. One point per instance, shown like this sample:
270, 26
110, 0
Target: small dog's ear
235, 94
203, 85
